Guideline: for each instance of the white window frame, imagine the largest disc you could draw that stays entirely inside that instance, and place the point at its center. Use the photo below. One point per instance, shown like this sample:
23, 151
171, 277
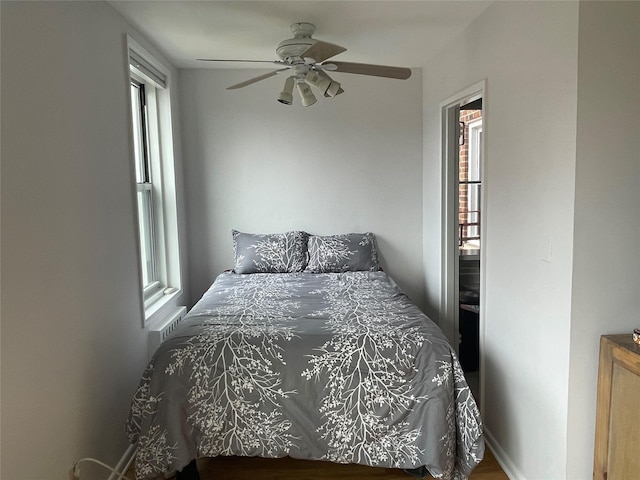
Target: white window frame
145, 69
475, 162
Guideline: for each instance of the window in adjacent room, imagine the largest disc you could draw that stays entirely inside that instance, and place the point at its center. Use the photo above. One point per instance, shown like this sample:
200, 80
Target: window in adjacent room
155, 180
470, 182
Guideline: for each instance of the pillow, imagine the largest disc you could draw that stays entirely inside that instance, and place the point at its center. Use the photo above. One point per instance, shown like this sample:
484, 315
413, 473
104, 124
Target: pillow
269, 253
350, 252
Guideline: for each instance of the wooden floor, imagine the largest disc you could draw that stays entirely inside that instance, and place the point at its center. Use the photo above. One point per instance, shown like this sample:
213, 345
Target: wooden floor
255, 468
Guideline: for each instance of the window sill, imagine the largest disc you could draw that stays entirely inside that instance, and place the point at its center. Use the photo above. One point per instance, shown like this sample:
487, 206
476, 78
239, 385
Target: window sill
158, 307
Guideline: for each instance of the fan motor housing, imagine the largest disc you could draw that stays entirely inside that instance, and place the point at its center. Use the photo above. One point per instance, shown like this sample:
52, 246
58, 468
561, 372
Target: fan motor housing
293, 48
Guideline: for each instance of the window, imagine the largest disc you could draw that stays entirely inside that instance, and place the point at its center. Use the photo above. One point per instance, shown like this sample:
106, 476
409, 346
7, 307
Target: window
144, 187
470, 180
155, 181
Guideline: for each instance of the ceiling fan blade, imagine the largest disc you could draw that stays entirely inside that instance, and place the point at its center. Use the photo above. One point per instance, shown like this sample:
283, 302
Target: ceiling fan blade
400, 73
329, 67
320, 51
277, 62
256, 79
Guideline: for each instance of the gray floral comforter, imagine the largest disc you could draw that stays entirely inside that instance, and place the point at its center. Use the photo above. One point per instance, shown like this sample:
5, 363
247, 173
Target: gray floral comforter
337, 366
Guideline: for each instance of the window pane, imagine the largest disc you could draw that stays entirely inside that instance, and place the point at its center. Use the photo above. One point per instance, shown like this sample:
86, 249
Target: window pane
473, 213
139, 133
145, 216
475, 151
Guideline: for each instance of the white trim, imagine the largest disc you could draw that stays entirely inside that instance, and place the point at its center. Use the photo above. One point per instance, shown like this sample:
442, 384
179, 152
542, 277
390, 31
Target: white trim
502, 458
159, 309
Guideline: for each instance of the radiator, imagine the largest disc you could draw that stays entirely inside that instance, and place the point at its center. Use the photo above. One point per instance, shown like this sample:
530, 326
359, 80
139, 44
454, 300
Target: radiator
161, 330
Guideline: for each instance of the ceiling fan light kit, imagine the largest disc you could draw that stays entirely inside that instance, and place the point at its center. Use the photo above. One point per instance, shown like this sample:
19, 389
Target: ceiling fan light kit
304, 55
286, 95
322, 82
306, 95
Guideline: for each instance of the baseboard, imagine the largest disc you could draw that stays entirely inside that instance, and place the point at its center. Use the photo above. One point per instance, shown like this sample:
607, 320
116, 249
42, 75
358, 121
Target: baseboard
502, 458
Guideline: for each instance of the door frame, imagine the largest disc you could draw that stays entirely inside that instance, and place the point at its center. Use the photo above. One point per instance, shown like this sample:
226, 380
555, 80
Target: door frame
449, 298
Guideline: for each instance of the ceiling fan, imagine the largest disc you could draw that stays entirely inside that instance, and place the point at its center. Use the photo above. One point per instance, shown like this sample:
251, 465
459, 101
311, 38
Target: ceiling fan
304, 57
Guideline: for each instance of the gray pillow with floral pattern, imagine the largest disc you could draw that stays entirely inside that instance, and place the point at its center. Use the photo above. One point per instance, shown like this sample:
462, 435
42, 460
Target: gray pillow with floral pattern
349, 252
270, 253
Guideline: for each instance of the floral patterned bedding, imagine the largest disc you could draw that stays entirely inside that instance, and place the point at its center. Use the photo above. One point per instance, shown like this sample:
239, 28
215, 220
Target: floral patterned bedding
330, 366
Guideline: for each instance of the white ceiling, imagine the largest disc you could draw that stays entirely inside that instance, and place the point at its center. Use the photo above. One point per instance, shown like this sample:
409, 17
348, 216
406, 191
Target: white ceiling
392, 32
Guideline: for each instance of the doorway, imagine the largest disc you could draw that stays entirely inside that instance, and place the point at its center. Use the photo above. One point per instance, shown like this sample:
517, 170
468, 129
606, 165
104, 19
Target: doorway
463, 245
469, 238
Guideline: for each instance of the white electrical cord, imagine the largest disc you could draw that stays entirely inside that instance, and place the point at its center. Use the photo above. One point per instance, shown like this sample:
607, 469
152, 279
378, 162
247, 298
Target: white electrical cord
74, 473
125, 462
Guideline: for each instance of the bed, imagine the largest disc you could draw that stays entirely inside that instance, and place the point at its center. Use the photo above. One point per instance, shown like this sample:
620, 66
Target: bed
306, 349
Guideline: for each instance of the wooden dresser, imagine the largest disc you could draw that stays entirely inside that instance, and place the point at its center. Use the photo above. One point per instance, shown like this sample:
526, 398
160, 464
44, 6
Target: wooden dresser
617, 442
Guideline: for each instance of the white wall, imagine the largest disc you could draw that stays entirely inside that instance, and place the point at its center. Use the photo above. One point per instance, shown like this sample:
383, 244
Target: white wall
73, 347
350, 163
527, 52
606, 271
